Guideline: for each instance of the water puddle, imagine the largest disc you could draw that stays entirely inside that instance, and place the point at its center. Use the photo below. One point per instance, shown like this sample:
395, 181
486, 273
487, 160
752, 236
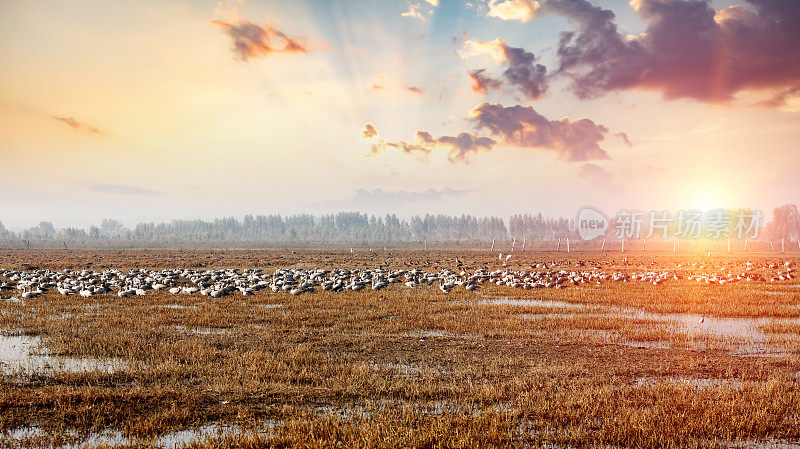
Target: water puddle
765, 444
403, 368
646, 344
24, 354
533, 303
695, 382
739, 328
178, 306
773, 292
409, 369
348, 412
113, 437
432, 333
203, 330
742, 336
726, 328
270, 306
199, 434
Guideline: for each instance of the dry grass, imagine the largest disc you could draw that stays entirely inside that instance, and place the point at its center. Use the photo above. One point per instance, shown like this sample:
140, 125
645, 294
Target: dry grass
403, 367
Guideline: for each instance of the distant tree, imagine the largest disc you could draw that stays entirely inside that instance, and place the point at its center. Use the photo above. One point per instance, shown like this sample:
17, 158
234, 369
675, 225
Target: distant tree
5, 234
111, 228
785, 223
72, 235
47, 229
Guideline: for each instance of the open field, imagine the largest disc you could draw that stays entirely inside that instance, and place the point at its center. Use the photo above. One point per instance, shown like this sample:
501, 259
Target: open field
679, 363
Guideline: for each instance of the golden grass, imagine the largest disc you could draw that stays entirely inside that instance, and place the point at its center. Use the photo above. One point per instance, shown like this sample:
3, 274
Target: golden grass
403, 367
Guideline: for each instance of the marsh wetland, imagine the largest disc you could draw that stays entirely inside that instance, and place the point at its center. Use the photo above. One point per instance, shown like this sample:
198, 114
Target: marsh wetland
659, 352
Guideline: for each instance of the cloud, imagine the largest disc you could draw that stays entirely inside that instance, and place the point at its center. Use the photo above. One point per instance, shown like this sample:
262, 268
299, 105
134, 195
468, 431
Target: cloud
414, 89
598, 176
254, 41
380, 196
380, 199
80, 126
414, 12
369, 131
494, 48
520, 126
459, 147
521, 10
481, 82
688, 49
624, 137
118, 189
462, 145
788, 100
424, 145
521, 70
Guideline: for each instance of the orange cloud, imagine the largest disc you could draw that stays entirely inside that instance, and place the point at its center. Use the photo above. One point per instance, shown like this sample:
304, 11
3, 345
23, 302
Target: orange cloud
481, 83
521, 71
425, 143
80, 126
253, 41
369, 131
459, 147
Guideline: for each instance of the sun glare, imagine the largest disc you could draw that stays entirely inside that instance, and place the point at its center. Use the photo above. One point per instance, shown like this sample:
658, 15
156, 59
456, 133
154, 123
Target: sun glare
706, 201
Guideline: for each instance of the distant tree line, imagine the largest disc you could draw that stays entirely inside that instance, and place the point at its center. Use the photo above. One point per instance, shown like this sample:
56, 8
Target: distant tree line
785, 223
342, 227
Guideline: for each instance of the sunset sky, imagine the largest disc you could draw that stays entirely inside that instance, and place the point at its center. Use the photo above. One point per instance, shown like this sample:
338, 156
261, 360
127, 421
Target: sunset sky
148, 111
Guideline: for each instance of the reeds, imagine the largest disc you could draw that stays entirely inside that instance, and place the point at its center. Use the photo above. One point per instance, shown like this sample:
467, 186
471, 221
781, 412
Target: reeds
402, 367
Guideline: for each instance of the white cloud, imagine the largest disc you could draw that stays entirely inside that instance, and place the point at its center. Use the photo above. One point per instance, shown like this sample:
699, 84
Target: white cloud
414, 13
521, 10
495, 49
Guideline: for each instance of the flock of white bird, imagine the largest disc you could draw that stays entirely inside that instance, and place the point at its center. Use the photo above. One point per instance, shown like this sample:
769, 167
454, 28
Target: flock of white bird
221, 282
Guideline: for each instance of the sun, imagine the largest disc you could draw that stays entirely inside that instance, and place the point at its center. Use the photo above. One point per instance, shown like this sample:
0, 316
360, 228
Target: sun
706, 201
709, 195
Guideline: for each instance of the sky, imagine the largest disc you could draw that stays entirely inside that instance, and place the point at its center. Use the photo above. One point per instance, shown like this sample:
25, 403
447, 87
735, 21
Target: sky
200, 109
